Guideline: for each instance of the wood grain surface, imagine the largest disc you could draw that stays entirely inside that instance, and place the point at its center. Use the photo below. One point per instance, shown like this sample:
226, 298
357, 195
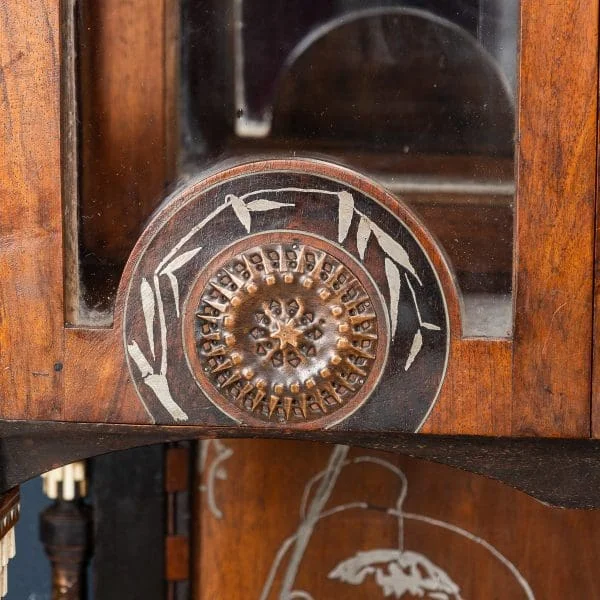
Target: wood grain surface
31, 307
250, 496
556, 168
537, 384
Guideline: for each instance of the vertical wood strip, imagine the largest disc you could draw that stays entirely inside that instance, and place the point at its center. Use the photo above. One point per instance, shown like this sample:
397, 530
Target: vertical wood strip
123, 95
70, 161
596, 325
31, 295
555, 215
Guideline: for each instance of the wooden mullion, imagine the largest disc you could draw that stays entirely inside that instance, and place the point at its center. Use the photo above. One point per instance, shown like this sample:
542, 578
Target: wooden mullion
31, 298
554, 243
595, 402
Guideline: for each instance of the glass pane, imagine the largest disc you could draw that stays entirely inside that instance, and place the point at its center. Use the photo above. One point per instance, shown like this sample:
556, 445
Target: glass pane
418, 94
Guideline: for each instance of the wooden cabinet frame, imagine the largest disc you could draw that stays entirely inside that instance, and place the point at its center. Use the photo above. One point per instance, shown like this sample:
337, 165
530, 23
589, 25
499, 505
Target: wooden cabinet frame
537, 384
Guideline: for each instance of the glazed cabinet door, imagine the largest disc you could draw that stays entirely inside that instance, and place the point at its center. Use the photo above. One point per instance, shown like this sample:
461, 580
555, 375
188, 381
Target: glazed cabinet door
299, 217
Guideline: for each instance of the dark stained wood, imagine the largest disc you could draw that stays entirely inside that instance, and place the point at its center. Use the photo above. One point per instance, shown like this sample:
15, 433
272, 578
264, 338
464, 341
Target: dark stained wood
259, 508
559, 472
31, 311
403, 397
66, 533
127, 493
556, 169
128, 123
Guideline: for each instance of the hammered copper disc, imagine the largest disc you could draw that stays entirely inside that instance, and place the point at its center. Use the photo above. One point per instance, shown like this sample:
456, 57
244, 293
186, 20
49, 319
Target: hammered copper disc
285, 327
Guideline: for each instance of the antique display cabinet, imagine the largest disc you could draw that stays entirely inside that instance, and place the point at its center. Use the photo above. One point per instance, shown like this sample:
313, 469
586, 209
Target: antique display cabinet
368, 223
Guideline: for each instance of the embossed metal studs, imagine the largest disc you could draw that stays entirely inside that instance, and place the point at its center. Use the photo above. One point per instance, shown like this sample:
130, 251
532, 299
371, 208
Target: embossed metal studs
286, 329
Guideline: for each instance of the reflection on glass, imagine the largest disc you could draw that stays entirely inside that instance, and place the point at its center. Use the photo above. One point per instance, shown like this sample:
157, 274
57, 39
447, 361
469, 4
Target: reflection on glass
418, 94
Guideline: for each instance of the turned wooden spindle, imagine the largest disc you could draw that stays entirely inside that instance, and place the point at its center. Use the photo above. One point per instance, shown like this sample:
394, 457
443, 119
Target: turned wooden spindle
65, 530
9, 515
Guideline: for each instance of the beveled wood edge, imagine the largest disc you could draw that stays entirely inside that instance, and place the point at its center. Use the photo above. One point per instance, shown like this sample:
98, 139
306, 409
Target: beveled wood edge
595, 400
553, 234
562, 473
69, 159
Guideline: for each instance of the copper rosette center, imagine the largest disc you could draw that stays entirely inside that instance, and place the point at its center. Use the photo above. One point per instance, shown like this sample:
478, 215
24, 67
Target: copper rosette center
290, 331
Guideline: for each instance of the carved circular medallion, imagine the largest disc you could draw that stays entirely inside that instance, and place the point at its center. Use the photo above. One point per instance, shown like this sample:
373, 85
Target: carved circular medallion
285, 327
291, 294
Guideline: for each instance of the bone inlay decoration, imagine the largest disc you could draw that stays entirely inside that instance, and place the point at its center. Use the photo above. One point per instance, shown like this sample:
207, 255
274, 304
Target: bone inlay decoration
400, 572
284, 298
287, 331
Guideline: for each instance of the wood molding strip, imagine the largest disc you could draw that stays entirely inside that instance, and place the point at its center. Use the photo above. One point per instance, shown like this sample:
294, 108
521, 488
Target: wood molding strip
556, 169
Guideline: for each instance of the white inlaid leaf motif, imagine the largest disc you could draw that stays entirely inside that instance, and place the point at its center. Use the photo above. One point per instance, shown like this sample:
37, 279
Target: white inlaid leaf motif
422, 323
216, 470
175, 264
241, 211
345, 214
415, 348
396, 259
157, 382
139, 359
398, 573
151, 299
149, 309
363, 233
262, 205
181, 260
160, 386
394, 250
393, 278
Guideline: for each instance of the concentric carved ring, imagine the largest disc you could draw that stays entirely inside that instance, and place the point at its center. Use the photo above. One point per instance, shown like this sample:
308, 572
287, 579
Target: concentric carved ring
285, 327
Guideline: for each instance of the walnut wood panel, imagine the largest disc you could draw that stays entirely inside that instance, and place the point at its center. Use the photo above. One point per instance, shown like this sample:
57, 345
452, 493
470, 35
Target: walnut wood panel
554, 224
595, 410
486, 539
124, 49
476, 396
31, 312
100, 393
